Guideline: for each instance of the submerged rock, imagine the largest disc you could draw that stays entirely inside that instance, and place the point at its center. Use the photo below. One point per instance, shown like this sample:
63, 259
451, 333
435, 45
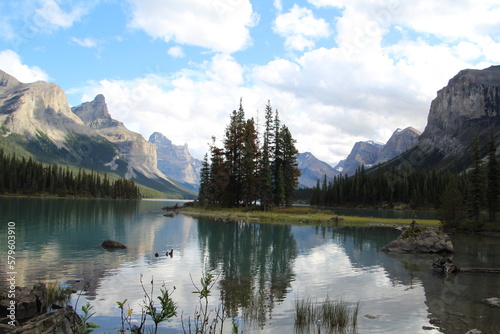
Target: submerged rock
428, 241
493, 302
112, 244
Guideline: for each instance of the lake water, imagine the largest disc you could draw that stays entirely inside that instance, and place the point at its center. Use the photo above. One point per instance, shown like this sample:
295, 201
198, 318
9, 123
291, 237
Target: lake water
262, 269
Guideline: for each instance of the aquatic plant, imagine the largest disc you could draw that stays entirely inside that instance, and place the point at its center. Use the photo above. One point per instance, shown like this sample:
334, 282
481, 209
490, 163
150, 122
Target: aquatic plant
57, 294
334, 315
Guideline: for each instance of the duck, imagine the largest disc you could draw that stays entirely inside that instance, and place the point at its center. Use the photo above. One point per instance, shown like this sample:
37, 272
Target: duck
156, 255
170, 253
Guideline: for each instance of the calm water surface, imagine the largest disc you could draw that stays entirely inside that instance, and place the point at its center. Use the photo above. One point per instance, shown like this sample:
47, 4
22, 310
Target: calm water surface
262, 269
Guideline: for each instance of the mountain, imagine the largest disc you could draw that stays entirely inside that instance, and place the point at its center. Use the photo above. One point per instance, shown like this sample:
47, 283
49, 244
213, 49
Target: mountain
363, 153
400, 142
313, 169
468, 106
36, 120
176, 161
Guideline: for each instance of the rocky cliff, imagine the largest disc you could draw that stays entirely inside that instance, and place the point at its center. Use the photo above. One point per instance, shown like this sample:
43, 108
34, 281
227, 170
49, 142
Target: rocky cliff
176, 161
400, 142
363, 153
313, 169
37, 108
470, 101
36, 120
468, 106
140, 154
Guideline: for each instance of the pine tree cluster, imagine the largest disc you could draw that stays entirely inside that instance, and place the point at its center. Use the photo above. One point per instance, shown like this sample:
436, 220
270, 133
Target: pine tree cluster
244, 172
457, 195
29, 177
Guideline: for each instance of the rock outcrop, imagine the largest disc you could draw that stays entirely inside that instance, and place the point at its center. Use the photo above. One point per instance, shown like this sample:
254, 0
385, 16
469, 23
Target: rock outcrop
428, 241
400, 142
363, 153
62, 321
175, 161
313, 169
38, 109
140, 154
468, 106
29, 302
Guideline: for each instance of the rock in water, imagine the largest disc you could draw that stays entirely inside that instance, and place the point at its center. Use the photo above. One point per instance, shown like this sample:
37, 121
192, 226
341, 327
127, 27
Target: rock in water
425, 242
112, 244
59, 322
493, 302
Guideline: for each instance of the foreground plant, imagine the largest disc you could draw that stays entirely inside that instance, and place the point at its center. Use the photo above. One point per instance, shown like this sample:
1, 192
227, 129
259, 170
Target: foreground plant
86, 327
203, 321
167, 309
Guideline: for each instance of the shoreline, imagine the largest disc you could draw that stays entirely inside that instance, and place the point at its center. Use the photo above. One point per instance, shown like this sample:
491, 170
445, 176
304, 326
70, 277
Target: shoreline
311, 216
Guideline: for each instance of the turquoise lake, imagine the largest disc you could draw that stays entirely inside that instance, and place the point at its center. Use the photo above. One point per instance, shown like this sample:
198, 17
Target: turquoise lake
261, 269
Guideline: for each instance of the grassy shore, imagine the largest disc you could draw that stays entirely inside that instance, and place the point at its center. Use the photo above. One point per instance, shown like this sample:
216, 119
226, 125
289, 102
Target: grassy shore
299, 216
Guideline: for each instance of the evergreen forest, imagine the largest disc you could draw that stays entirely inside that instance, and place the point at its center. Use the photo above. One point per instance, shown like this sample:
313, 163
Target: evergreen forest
457, 196
245, 172
28, 177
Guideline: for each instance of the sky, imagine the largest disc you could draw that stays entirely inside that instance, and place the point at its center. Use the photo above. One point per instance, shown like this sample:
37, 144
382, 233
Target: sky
337, 71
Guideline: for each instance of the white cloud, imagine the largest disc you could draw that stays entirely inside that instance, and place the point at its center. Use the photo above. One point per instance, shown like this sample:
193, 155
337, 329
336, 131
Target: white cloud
218, 25
11, 63
300, 28
176, 52
49, 15
87, 42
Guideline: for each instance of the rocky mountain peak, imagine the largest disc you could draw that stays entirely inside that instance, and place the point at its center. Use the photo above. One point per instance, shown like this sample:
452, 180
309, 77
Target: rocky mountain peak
400, 141
160, 139
176, 161
7, 81
95, 113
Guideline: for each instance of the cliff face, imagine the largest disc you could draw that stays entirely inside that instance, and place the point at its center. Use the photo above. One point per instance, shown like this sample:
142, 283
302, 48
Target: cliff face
363, 153
37, 108
176, 161
468, 105
400, 142
140, 154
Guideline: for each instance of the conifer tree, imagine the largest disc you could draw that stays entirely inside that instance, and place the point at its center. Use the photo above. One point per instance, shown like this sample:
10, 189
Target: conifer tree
493, 179
266, 181
475, 191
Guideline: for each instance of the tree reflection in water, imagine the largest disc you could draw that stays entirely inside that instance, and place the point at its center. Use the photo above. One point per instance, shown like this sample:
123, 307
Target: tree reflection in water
255, 262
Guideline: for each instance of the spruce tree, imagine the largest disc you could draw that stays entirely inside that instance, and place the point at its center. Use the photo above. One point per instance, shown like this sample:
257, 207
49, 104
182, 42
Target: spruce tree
493, 181
475, 191
291, 172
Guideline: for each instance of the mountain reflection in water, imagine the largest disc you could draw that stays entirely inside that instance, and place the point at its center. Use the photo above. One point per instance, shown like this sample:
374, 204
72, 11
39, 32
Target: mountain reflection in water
262, 269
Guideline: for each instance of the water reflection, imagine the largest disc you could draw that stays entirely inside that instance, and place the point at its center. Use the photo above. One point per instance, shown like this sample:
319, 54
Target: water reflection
263, 269
256, 263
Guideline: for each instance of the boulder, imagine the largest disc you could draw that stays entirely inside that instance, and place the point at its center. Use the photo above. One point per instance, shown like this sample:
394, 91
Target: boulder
29, 301
62, 321
493, 302
112, 244
428, 241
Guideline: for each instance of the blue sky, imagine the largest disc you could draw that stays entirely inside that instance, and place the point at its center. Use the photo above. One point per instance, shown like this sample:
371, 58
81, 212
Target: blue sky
338, 71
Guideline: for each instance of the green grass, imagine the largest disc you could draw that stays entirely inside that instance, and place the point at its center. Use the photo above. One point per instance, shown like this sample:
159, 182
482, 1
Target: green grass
297, 215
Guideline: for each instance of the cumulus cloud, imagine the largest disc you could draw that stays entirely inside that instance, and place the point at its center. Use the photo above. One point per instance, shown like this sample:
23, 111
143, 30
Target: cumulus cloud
12, 64
300, 28
218, 25
381, 74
